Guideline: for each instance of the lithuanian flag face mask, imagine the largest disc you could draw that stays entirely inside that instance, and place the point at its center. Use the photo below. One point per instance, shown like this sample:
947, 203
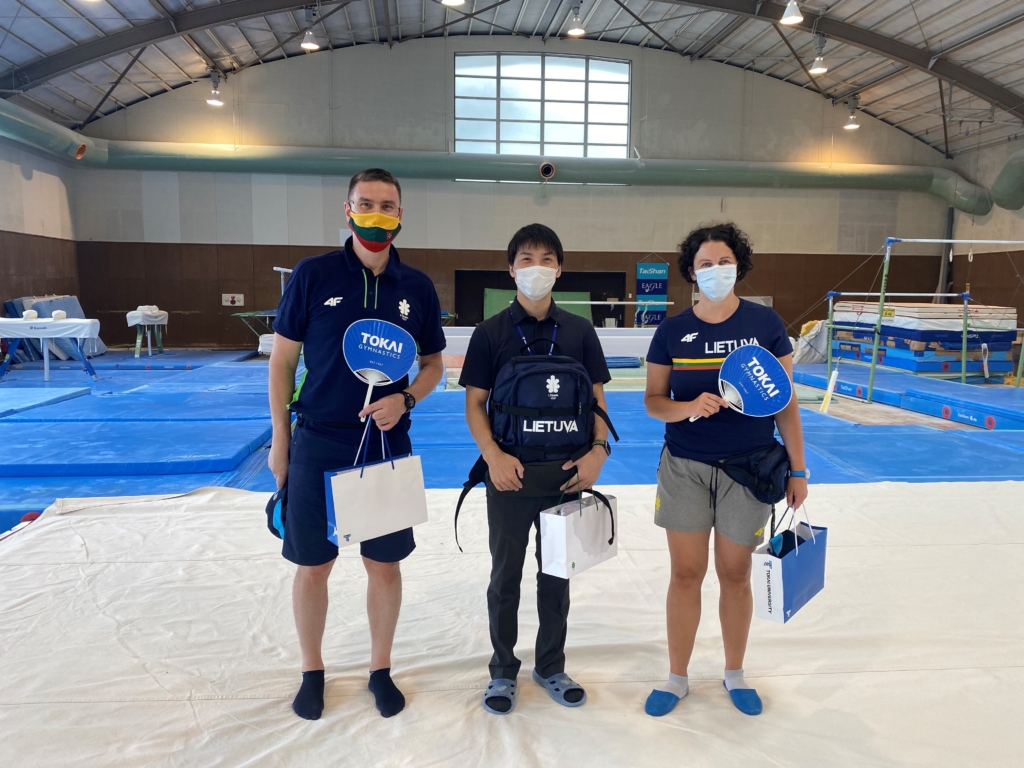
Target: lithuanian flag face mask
375, 231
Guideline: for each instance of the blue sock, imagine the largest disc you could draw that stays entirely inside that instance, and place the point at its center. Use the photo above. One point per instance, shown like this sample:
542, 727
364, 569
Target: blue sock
390, 700
309, 701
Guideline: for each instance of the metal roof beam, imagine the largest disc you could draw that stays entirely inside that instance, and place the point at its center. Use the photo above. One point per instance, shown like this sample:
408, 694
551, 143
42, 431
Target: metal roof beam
872, 41
723, 30
38, 72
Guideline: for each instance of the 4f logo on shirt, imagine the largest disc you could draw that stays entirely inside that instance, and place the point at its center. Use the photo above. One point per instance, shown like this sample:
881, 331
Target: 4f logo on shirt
403, 309
333, 302
689, 337
553, 386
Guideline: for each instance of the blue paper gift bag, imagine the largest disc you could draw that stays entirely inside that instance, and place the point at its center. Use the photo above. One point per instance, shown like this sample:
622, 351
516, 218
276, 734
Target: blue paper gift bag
784, 583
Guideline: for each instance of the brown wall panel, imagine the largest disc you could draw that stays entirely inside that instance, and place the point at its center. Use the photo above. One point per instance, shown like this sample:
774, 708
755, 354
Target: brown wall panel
995, 278
188, 280
31, 265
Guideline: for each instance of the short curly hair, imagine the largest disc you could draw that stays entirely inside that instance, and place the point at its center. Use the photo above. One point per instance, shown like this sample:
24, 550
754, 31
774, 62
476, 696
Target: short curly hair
727, 233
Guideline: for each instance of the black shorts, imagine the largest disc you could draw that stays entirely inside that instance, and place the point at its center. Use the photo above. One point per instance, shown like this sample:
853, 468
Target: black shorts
315, 450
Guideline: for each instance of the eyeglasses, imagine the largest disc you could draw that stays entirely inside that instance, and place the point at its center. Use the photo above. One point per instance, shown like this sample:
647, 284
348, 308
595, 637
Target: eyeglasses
388, 208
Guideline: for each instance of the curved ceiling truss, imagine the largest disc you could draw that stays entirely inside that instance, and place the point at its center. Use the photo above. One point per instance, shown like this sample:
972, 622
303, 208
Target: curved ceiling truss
948, 72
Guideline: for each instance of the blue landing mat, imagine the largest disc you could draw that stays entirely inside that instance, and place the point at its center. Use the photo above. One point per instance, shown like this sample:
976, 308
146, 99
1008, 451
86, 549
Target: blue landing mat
916, 454
1013, 440
14, 401
237, 378
447, 467
172, 359
152, 406
34, 494
109, 381
62, 449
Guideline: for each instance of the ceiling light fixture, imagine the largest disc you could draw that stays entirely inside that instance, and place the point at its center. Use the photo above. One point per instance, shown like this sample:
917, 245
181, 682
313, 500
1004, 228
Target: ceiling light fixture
819, 67
852, 103
214, 100
453, 3
309, 42
576, 25
792, 14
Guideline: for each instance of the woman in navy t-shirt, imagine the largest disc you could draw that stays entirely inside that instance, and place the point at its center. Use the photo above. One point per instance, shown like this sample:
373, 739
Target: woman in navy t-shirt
682, 381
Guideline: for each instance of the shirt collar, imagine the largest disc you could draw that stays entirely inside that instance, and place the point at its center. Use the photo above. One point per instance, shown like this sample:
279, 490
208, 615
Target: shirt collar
392, 270
519, 314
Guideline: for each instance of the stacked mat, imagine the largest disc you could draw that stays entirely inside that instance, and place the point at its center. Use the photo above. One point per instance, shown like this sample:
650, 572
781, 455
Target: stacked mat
931, 322
928, 338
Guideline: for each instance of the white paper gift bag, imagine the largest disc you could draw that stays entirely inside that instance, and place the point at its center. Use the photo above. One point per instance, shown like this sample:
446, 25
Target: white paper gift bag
578, 535
374, 500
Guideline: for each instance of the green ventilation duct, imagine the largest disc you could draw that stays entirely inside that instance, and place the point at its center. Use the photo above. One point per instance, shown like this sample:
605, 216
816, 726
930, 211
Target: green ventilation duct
26, 127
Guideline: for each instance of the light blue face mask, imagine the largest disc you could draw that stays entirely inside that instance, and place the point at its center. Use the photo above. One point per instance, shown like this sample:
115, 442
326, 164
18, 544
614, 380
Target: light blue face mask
716, 282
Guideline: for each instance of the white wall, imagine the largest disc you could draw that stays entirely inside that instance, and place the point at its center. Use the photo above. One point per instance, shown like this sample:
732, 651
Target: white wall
984, 166
34, 193
402, 98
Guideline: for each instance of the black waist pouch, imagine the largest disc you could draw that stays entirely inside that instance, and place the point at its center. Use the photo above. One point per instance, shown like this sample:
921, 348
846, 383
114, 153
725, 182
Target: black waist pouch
763, 471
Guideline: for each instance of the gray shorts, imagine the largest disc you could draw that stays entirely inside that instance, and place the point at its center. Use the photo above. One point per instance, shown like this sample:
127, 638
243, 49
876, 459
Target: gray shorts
684, 502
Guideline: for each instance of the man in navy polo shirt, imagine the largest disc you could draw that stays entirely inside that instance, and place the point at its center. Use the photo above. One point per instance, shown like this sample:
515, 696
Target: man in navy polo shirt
324, 296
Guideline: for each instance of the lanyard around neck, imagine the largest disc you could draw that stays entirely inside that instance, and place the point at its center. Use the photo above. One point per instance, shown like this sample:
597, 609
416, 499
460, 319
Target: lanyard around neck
554, 335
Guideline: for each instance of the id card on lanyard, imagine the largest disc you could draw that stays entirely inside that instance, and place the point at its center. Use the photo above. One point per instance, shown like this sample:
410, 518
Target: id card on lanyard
554, 335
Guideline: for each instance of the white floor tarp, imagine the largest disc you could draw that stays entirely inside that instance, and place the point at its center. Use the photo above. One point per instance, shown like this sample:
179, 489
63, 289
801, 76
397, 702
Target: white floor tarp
157, 631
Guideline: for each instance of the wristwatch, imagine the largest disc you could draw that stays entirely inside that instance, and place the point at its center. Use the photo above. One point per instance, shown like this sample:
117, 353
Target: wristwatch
604, 444
804, 473
410, 401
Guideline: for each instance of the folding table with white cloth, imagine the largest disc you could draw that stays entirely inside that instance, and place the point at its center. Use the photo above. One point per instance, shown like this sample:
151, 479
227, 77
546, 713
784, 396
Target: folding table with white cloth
150, 318
19, 328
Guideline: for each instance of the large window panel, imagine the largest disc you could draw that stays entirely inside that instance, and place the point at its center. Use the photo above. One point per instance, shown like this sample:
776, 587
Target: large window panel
541, 104
563, 132
520, 110
483, 147
520, 131
609, 113
478, 66
564, 113
520, 89
609, 92
476, 86
477, 108
475, 129
520, 66
606, 134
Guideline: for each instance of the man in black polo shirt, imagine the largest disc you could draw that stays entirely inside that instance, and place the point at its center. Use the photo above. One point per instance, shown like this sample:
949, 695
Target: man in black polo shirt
324, 296
535, 261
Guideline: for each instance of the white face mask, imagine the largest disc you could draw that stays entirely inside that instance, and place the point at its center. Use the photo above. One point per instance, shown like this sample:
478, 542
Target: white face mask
536, 282
716, 282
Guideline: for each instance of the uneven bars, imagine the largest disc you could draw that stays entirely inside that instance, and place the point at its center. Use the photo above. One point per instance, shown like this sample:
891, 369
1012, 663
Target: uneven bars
890, 240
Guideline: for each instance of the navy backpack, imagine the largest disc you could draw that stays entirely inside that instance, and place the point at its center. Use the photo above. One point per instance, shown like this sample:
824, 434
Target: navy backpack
542, 409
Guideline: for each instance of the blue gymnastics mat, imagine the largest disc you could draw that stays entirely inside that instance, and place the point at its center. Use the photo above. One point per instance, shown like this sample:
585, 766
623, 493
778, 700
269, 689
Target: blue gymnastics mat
153, 406
993, 407
109, 381
64, 449
125, 360
916, 454
237, 378
34, 494
13, 401
1013, 440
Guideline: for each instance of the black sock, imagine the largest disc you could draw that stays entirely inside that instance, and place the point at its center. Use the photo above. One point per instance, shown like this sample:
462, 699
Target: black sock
309, 701
390, 700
